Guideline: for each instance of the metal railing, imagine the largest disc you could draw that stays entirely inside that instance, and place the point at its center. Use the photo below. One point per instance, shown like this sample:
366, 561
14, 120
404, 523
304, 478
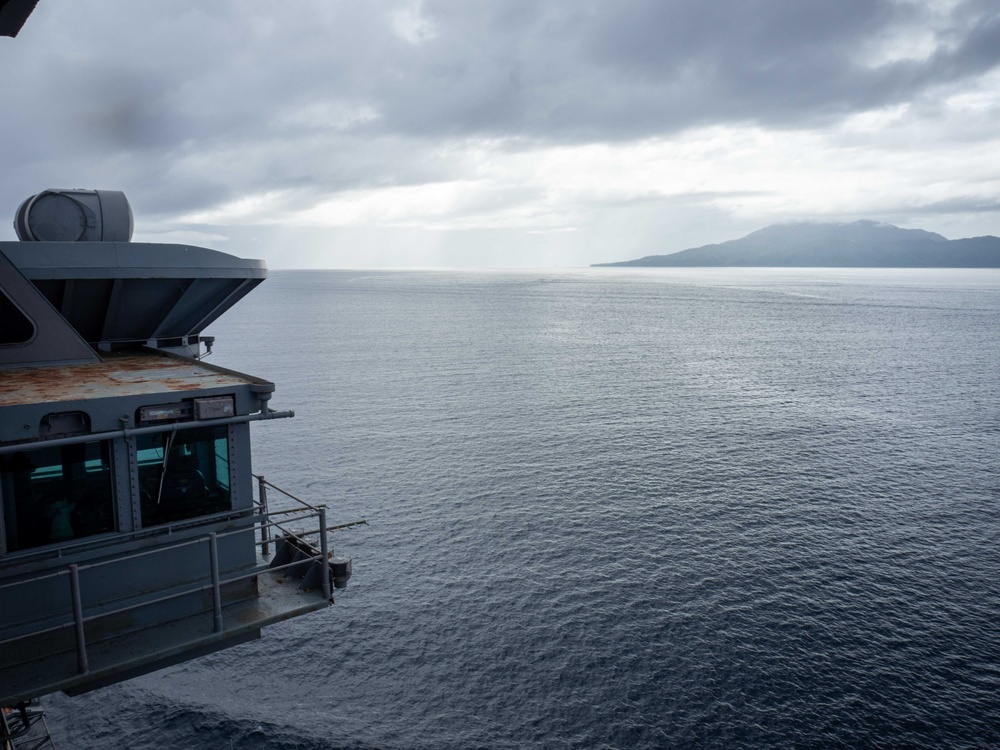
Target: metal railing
77, 618
261, 505
22, 726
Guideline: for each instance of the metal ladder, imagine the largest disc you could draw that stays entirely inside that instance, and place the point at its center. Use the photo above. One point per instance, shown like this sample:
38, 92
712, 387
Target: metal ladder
23, 727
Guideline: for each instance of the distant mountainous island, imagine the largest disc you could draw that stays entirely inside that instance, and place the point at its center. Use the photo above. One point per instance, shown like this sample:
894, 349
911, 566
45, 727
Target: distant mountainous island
860, 244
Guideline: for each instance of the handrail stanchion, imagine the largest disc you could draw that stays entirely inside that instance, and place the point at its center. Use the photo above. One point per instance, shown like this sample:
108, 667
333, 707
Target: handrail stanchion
81, 640
324, 564
5, 732
265, 546
213, 552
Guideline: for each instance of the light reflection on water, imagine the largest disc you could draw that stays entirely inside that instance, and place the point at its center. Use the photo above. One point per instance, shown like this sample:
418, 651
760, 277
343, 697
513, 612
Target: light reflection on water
619, 508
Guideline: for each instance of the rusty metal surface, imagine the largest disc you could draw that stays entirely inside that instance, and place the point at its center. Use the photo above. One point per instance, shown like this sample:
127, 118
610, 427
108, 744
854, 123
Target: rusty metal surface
132, 374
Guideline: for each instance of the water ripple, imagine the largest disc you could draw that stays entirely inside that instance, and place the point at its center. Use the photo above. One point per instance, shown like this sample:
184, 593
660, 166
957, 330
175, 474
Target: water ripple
619, 511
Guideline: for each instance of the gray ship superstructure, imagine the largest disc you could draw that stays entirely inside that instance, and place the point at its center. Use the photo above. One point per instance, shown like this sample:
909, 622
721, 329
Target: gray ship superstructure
131, 536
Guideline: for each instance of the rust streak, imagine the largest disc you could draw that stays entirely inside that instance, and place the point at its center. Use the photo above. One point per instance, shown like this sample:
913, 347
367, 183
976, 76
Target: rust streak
128, 374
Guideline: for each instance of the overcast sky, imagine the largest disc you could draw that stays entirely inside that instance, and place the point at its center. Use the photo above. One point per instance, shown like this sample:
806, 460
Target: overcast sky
359, 133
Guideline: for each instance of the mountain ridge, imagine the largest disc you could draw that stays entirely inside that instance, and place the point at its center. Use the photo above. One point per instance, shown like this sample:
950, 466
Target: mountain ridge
859, 244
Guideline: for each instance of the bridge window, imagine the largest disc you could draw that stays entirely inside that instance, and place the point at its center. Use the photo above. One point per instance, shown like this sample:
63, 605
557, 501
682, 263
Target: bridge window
56, 495
183, 474
16, 328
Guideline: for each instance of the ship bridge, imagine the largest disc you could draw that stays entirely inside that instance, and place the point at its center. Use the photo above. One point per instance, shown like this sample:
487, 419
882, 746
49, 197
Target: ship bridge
133, 533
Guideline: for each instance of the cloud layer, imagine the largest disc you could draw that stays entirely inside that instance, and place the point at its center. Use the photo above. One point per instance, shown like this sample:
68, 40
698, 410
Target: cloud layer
567, 120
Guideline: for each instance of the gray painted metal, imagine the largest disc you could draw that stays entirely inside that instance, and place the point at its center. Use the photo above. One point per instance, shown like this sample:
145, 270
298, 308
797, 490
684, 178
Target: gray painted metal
110, 392
265, 544
54, 342
215, 605
136, 598
152, 430
136, 373
213, 554
59, 215
118, 293
135, 260
81, 639
324, 554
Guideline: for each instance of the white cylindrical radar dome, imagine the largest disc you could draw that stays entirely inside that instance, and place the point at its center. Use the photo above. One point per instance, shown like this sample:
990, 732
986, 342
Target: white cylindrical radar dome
75, 216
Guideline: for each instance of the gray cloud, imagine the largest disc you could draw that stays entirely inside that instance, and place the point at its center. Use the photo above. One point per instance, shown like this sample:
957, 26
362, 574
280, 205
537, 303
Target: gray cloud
558, 70
191, 105
958, 204
639, 68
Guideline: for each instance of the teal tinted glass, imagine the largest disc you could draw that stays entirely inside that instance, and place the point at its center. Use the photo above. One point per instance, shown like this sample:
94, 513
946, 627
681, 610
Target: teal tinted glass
56, 495
183, 474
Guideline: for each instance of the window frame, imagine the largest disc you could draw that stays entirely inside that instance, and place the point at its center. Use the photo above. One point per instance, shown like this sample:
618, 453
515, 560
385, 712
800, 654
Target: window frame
144, 494
111, 502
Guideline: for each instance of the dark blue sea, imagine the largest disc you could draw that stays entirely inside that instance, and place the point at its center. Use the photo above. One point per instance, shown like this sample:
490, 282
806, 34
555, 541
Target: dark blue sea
617, 508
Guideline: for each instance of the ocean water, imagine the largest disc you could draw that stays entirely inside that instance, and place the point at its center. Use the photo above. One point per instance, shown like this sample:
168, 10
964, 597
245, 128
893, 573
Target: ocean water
617, 508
